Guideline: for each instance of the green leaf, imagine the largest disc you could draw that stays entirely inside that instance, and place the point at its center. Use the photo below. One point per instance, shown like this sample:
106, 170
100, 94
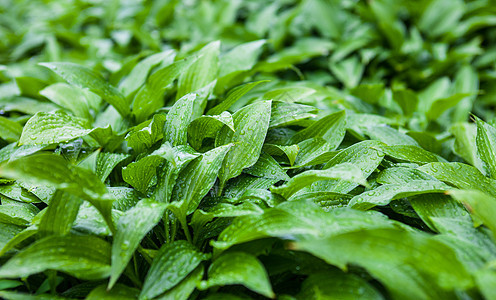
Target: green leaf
119, 291
10, 131
106, 162
461, 176
84, 257
60, 214
207, 127
239, 268
139, 73
337, 285
183, 290
267, 167
173, 263
56, 172
196, 179
83, 77
290, 152
144, 135
331, 128
251, 124
178, 119
139, 174
51, 128
233, 96
150, 96
465, 144
131, 228
486, 145
410, 264
441, 105
203, 71
346, 171
384, 194
69, 97
409, 153
407, 100
285, 114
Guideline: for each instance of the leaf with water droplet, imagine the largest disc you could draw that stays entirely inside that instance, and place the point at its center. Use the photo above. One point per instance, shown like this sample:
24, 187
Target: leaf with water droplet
251, 124
84, 257
173, 263
178, 119
131, 228
239, 268
207, 127
83, 77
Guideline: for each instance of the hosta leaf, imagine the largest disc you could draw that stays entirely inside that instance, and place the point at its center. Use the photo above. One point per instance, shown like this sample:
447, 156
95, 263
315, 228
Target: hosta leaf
479, 204
239, 268
386, 193
407, 100
10, 131
346, 171
60, 214
149, 97
389, 136
331, 128
50, 128
234, 95
337, 285
203, 71
183, 290
85, 78
461, 176
198, 177
289, 95
146, 134
390, 256
284, 114
178, 119
173, 263
290, 152
69, 97
207, 127
55, 171
106, 162
267, 167
486, 279
139, 73
125, 198
251, 124
85, 257
139, 174
465, 144
410, 153
17, 213
119, 291
131, 228
311, 150
237, 186
16, 192
7, 233
486, 145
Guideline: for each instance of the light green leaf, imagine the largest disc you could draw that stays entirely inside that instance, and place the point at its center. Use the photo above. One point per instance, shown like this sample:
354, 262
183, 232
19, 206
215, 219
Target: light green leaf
207, 127
149, 97
139, 73
384, 194
486, 145
331, 128
106, 162
83, 77
51, 128
10, 131
131, 228
203, 71
178, 119
267, 167
173, 263
85, 257
285, 114
251, 124
53, 170
60, 214
239, 268
139, 174
194, 181
410, 264
290, 152
409, 153
407, 100
69, 97
346, 171
461, 176
234, 95
183, 290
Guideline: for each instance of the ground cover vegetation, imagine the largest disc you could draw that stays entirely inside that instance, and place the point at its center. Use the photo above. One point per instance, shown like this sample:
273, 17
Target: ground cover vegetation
313, 149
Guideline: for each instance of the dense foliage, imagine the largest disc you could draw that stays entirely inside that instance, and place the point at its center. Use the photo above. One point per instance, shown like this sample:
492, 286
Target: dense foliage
229, 149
